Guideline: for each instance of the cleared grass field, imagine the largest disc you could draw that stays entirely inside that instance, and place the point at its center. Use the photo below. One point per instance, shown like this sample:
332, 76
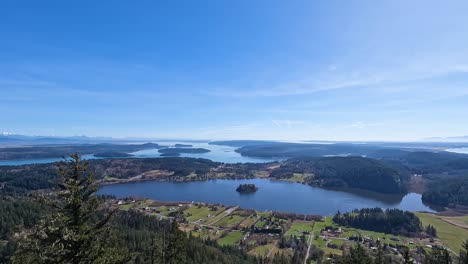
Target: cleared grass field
299, 177
195, 212
264, 214
347, 232
126, 207
145, 203
261, 174
229, 221
248, 222
321, 243
231, 239
166, 210
260, 224
220, 215
263, 250
321, 225
110, 178
461, 221
453, 236
298, 227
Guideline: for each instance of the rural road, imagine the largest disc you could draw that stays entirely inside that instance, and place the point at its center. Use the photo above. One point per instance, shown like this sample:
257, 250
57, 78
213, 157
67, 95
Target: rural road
308, 249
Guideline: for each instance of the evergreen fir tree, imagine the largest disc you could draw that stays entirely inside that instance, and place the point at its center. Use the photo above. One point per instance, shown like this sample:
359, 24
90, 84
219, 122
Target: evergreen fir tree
464, 253
171, 247
75, 232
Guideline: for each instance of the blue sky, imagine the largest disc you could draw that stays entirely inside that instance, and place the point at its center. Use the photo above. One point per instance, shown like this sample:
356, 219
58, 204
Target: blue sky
325, 70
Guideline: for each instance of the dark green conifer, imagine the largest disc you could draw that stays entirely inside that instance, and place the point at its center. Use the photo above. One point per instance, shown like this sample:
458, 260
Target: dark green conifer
76, 231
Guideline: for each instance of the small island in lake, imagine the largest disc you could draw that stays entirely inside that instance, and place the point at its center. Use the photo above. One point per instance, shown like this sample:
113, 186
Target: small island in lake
247, 188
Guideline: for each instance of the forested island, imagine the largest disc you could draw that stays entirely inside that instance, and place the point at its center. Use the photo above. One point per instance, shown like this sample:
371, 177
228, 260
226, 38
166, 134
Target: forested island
170, 154
111, 154
178, 145
54, 151
178, 151
247, 188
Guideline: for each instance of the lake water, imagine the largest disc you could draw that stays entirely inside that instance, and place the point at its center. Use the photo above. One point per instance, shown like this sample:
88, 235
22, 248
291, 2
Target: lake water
224, 154
272, 195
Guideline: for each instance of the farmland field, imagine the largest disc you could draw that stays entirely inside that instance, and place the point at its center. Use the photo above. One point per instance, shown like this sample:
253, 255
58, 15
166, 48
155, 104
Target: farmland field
451, 235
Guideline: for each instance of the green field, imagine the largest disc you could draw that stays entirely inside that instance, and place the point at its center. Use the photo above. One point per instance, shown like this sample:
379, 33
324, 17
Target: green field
261, 174
461, 221
264, 214
451, 235
260, 224
231, 239
166, 210
110, 178
145, 203
299, 177
248, 222
347, 232
262, 250
220, 215
229, 221
321, 225
195, 213
126, 207
298, 227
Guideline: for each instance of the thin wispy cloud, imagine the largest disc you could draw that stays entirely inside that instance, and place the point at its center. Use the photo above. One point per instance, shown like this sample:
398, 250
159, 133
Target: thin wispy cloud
392, 80
384, 70
362, 125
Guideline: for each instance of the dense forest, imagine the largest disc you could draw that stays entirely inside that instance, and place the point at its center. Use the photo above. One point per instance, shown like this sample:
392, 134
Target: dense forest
447, 191
139, 233
357, 172
345, 172
133, 231
20, 179
297, 150
16, 214
390, 221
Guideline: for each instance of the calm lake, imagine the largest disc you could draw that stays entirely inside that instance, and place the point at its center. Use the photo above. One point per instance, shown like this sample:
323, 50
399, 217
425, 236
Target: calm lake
272, 195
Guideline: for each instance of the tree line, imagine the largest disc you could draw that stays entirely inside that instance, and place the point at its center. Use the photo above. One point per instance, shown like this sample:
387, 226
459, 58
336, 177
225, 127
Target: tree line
390, 221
